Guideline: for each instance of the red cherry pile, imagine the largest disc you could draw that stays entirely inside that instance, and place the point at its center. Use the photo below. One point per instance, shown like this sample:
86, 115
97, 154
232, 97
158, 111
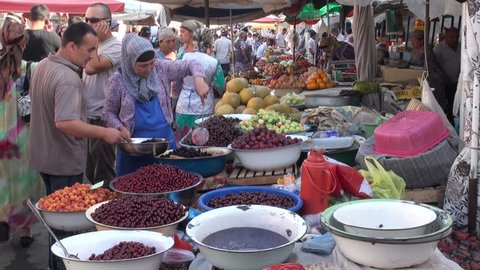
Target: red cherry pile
261, 138
123, 251
156, 178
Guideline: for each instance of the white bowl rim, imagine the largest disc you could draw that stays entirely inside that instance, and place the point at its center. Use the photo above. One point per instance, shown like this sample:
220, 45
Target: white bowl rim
123, 260
302, 232
90, 210
303, 138
432, 218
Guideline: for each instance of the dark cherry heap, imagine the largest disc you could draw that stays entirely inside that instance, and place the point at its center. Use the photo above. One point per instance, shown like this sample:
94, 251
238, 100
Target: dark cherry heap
256, 197
156, 178
139, 212
188, 153
261, 138
123, 251
221, 131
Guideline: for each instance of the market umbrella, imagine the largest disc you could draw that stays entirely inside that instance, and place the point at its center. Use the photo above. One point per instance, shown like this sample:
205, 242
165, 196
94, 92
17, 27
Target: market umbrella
461, 191
309, 13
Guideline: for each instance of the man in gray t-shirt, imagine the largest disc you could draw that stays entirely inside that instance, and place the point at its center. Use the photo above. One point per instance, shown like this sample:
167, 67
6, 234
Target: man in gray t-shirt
58, 125
100, 155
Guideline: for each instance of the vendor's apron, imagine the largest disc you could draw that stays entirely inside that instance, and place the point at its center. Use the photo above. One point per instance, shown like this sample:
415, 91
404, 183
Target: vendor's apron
149, 123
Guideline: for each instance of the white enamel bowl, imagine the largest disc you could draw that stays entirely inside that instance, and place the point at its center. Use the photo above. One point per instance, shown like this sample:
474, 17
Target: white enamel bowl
284, 222
270, 159
388, 219
83, 245
66, 221
388, 252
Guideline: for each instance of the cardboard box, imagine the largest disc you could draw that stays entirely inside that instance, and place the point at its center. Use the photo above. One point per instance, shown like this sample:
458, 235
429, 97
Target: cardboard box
391, 74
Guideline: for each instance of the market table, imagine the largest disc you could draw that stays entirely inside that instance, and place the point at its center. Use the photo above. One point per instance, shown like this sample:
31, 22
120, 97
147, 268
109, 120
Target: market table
336, 261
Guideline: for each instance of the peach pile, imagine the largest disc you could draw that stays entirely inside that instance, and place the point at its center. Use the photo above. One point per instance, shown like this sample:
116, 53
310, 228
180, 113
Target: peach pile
78, 197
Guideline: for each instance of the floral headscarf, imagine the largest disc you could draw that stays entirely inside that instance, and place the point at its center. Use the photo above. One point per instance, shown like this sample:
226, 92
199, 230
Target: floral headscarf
13, 39
141, 88
202, 39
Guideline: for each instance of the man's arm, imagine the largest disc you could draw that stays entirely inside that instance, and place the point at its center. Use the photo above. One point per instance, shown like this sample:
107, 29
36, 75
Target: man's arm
80, 129
98, 64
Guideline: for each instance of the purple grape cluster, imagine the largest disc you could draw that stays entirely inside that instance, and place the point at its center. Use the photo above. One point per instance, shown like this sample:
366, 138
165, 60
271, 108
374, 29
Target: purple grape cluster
156, 178
221, 130
255, 197
123, 251
261, 138
139, 212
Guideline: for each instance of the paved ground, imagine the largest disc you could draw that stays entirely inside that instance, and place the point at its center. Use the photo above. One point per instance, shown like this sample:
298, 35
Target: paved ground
14, 257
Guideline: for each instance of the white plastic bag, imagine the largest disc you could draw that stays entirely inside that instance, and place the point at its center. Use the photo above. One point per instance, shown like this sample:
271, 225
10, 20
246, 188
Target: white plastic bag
429, 100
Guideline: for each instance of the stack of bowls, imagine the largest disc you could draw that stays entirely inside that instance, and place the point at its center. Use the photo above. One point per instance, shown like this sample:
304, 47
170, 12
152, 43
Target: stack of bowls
384, 233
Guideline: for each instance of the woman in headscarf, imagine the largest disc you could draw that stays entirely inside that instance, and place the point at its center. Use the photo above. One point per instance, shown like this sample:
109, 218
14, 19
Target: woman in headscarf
137, 98
189, 106
17, 181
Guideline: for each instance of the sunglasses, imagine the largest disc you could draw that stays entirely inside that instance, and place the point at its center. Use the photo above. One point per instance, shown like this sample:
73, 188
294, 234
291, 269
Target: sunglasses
97, 20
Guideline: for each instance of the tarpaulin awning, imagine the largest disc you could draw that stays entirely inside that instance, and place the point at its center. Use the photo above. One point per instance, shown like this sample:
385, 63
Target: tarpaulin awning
67, 6
267, 19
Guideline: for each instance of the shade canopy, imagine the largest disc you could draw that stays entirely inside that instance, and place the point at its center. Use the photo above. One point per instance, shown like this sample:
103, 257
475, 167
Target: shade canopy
67, 6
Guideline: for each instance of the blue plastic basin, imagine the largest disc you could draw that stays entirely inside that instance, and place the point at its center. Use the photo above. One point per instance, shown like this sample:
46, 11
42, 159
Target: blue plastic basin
202, 201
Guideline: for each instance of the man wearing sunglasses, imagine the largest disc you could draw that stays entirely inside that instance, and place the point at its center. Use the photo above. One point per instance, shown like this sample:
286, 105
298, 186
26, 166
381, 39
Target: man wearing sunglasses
101, 155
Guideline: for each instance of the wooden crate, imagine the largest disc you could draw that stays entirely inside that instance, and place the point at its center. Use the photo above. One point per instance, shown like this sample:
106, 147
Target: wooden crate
426, 195
242, 176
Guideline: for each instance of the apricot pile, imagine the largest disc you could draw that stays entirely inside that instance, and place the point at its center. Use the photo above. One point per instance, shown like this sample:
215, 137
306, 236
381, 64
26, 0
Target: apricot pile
78, 197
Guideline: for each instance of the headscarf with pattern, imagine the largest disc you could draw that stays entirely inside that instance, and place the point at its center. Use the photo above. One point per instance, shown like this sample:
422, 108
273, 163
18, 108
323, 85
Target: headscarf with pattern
202, 39
141, 88
13, 39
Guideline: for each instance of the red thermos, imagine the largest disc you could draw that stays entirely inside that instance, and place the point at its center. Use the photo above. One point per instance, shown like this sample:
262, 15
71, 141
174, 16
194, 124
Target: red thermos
317, 183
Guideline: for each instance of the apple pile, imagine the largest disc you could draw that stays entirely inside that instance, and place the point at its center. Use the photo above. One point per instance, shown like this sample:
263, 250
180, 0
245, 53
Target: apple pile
261, 138
78, 197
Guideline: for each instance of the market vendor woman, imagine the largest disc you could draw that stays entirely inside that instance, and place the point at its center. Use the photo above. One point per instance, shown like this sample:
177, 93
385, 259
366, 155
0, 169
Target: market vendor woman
137, 97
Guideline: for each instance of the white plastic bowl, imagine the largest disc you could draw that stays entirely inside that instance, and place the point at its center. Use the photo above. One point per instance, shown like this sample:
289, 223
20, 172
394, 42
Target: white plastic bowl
167, 229
66, 221
239, 116
83, 245
390, 219
281, 221
270, 159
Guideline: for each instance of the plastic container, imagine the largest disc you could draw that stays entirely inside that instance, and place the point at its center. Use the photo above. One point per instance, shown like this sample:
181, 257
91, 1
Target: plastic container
317, 183
177, 259
205, 198
409, 133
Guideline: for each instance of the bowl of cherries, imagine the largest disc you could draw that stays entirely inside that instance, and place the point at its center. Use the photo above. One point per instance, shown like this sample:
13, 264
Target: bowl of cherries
262, 149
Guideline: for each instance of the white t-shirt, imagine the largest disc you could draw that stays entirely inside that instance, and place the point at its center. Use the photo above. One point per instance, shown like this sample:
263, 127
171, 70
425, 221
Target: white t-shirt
188, 101
261, 49
222, 47
95, 84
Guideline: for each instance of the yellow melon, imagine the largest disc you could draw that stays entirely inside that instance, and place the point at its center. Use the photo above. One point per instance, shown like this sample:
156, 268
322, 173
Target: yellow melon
240, 109
218, 104
224, 109
262, 91
249, 111
236, 84
232, 99
256, 103
245, 95
270, 100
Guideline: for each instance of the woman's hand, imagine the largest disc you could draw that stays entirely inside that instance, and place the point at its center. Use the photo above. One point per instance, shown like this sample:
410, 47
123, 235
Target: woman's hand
202, 88
125, 133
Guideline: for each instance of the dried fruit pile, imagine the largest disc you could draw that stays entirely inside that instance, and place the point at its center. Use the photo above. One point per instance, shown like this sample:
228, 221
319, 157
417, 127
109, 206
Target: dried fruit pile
257, 197
156, 178
462, 248
139, 212
123, 251
78, 197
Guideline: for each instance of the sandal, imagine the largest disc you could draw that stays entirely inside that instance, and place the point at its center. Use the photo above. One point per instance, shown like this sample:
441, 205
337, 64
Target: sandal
4, 231
26, 241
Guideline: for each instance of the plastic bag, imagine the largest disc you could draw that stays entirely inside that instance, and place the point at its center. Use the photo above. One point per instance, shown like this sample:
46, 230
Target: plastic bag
384, 184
